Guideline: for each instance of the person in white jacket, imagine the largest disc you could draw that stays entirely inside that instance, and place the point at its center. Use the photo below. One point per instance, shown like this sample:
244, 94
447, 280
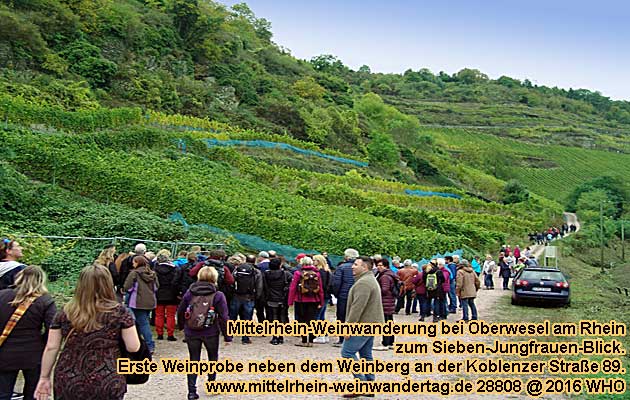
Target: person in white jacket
489, 266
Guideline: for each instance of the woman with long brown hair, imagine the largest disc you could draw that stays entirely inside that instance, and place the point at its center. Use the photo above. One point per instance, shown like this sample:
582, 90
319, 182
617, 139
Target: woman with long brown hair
92, 324
24, 311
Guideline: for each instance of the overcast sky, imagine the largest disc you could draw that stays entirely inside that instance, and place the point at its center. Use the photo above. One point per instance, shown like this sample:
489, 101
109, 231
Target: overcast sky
560, 43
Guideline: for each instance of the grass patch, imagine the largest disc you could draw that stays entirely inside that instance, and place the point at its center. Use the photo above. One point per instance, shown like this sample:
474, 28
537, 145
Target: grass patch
593, 297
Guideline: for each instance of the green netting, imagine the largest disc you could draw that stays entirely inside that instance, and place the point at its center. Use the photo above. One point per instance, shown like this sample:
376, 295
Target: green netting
290, 252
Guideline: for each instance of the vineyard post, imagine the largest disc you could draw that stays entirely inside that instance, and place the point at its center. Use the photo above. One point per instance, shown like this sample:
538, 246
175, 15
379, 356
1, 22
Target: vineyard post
623, 239
601, 235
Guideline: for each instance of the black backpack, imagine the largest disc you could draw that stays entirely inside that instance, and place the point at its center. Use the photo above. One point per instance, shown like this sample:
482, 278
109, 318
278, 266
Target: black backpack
397, 288
218, 266
245, 280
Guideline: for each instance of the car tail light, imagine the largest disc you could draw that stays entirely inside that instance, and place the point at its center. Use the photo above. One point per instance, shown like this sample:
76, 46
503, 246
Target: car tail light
564, 285
521, 283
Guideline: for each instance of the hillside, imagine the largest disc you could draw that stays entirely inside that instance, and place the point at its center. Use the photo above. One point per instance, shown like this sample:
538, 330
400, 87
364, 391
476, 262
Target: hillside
182, 106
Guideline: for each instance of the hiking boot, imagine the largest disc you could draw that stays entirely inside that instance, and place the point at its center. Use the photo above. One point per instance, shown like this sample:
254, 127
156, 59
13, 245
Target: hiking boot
274, 341
160, 337
421, 319
171, 339
193, 396
246, 341
300, 344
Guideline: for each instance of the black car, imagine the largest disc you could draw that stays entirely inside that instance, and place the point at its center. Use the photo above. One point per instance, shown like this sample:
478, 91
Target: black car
548, 285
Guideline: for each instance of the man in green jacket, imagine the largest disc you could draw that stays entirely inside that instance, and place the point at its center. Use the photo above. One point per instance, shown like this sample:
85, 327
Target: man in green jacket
364, 306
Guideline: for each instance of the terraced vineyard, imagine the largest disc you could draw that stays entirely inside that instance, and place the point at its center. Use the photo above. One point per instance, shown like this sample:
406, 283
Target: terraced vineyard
571, 166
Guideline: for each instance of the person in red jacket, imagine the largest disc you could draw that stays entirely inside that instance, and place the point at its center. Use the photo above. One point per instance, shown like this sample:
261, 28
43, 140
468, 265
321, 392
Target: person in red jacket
418, 282
386, 279
307, 293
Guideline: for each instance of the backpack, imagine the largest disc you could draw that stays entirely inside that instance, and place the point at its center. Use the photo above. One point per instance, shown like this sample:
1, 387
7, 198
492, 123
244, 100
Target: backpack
432, 282
218, 266
309, 282
245, 280
200, 313
397, 288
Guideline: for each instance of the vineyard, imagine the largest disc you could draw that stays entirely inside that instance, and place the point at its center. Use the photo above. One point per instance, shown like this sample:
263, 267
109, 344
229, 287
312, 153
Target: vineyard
163, 164
572, 165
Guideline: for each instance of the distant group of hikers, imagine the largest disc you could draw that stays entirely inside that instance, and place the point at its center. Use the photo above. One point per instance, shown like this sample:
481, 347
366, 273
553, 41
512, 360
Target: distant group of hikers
115, 297
552, 233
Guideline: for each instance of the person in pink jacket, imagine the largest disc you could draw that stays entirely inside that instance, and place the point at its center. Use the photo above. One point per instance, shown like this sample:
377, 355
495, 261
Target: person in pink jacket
307, 293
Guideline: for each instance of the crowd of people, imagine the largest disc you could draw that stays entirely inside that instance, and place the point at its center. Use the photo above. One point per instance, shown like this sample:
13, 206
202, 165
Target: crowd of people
118, 297
552, 233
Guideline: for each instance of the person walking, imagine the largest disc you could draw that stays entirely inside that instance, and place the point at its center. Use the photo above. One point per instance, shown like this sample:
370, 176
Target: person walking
505, 271
277, 282
324, 270
342, 282
364, 306
141, 285
92, 324
168, 294
248, 287
386, 280
307, 292
467, 285
405, 275
203, 315
10, 253
489, 266
26, 313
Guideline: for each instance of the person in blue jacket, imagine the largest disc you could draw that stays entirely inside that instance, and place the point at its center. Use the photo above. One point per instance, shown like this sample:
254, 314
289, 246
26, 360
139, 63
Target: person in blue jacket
452, 269
342, 282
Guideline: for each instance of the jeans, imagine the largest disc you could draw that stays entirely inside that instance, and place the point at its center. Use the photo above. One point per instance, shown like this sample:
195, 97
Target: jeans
470, 302
243, 308
321, 314
260, 310
388, 340
160, 311
506, 281
8, 378
211, 343
306, 312
341, 313
439, 306
143, 327
363, 346
425, 305
488, 281
452, 298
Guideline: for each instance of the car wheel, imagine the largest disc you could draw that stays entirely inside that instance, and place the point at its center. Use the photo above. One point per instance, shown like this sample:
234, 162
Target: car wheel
515, 302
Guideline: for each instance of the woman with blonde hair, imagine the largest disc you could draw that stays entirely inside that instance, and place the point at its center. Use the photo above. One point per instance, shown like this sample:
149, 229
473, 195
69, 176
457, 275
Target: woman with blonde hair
92, 324
24, 311
203, 315
324, 271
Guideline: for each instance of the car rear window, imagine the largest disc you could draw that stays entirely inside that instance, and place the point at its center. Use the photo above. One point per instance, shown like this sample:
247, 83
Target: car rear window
543, 275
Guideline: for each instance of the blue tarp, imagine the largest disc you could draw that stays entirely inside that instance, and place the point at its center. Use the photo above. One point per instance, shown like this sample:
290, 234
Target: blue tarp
283, 146
258, 243
428, 194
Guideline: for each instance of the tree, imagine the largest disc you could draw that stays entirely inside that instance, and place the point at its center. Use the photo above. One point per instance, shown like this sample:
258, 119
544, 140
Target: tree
515, 192
307, 88
329, 63
382, 150
469, 76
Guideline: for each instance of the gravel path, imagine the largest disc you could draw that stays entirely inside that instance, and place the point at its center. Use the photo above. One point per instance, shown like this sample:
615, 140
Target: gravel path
174, 386
166, 387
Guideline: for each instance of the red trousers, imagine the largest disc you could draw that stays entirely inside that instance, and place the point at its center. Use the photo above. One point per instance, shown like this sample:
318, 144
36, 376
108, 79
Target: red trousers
170, 312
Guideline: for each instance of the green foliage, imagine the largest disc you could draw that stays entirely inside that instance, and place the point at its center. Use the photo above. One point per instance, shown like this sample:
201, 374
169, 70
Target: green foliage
605, 189
382, 150
515, 192
309, 89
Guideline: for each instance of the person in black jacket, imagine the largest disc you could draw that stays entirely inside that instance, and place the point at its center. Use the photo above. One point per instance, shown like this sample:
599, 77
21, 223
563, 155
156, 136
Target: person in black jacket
24, 346
168, 295
276, 282
187, 279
